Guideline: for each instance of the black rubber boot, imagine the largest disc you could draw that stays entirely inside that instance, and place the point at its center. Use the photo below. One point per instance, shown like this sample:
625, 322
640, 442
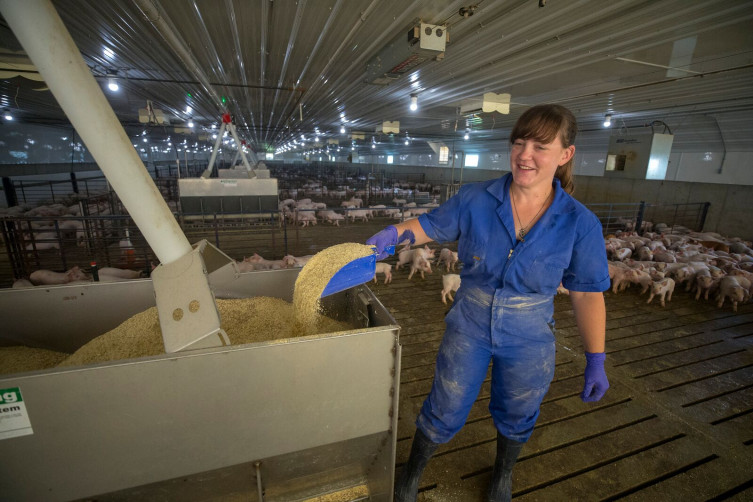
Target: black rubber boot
406, 487
500, 488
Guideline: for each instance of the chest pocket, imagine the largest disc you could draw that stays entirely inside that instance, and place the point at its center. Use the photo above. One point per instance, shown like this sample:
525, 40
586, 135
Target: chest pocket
543, 275
471, 254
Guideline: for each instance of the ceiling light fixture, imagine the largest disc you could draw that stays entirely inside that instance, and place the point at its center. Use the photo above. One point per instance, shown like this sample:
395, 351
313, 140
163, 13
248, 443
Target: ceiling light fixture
467, 134
414, 102
190, 123
342, 129
607, 120
7, 115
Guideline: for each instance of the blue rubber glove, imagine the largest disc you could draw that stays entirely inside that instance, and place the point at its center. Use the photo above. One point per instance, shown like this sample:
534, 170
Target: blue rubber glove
388, 237
596, 379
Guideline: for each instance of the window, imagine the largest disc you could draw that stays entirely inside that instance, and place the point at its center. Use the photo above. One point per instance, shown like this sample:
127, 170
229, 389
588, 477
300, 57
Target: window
270, 156
389, 159
471, 160
444, 154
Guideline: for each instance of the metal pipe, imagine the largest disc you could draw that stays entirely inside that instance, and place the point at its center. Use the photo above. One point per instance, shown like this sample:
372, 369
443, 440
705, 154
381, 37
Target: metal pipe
208, 171
259, 487
263, 62
324, 31
48, 44
291, 43
241, 67
159, 20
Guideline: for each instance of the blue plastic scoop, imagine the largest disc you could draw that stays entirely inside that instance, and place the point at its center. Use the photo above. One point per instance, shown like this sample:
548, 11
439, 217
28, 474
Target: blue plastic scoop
357, 272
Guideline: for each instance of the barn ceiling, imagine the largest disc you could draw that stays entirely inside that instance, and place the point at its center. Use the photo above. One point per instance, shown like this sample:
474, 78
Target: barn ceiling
284, 68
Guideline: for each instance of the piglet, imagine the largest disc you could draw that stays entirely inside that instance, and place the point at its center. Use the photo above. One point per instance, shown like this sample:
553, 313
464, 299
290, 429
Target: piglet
450, 284
419, 264
386, 269
48, 277
448, 257
111, 274
732, 287
260, 263
22, 283
662, 288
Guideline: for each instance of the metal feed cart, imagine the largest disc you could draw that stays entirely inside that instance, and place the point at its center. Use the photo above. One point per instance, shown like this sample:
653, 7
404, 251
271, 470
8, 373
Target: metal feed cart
286, 420
312, 415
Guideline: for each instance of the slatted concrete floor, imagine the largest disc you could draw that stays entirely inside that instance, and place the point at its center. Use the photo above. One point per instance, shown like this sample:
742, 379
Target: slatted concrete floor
676, 424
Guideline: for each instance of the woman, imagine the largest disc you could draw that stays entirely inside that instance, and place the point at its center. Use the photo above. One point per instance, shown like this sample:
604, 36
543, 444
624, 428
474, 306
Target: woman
518, 237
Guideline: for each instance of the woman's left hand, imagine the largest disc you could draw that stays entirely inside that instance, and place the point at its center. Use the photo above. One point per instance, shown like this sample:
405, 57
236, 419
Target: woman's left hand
596, 384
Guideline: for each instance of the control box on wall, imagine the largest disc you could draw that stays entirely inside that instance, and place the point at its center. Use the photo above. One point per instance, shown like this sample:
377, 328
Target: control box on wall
638, 156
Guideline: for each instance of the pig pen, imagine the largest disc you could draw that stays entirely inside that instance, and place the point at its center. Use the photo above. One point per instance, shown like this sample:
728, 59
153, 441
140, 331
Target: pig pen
289, 419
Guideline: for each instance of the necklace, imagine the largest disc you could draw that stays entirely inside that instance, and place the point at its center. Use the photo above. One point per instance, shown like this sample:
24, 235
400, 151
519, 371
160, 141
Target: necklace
524, 229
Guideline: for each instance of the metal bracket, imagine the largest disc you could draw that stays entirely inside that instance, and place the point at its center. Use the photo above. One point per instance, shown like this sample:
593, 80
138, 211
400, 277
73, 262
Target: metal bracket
186, 305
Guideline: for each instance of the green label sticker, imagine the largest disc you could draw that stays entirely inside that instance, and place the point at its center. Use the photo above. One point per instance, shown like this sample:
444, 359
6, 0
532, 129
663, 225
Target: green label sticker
14, 420
10, 396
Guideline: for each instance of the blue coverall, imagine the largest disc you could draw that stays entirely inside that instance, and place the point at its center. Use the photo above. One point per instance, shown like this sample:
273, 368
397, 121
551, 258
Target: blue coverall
503, 309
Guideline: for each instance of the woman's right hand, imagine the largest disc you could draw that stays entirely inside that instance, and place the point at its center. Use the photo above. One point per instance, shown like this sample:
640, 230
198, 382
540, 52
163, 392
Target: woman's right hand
388, 237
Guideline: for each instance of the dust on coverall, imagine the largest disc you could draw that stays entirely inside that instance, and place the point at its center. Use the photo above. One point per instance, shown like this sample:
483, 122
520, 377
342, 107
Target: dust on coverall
503, 309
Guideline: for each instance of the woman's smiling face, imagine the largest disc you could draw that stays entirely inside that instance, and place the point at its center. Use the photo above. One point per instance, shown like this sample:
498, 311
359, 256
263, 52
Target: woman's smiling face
534, 163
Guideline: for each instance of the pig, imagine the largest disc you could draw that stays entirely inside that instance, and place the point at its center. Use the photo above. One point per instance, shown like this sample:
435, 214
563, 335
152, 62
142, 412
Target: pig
43, 241
450, 284
703, 283
290, 261
730, 287
331, 217
245, 266
644, 253
448, 257
386, 269
306, 217
122, 273
664, 256
662, 288
48, 277
22, 283
619, 275
260, 263
640, 277
419, 263
378, 209
622, 254
405, 256
362, 214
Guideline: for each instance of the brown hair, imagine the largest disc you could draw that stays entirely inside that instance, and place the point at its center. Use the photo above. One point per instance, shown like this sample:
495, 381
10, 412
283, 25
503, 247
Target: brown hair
545, 123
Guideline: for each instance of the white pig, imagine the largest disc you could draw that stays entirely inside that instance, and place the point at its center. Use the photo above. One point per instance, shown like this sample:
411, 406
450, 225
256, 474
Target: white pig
112, 274
420, 264
386, 269
450, 284
291, 261
405, 256
731, 287
448, 257
662, 288
48, 277
22, 283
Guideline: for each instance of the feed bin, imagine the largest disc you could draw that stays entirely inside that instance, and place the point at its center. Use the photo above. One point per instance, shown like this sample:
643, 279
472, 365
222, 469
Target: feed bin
298, 417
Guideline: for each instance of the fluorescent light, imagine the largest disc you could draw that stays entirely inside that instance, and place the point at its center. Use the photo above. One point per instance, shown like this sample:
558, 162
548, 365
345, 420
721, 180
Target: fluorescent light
414, 102
607, 120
